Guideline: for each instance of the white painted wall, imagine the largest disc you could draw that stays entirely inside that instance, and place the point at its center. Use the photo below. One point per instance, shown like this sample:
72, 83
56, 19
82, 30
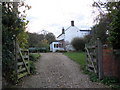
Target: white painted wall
69, 48
71, 33
83, 33
54, 49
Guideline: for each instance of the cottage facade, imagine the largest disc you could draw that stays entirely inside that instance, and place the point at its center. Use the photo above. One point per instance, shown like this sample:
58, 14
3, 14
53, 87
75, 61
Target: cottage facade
56, 46
72, 32
69, 34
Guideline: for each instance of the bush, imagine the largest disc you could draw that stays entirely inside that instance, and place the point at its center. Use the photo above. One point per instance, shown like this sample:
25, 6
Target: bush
78, 43
62, 51
110, 80
34, 56
87, 38
114, 31
32, 67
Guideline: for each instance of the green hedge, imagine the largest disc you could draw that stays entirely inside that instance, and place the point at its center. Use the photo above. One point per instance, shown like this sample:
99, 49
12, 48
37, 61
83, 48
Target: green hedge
34, 56
32, 67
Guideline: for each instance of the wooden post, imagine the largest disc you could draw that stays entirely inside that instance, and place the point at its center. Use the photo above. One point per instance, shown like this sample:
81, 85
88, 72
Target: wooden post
100, 58
86, 57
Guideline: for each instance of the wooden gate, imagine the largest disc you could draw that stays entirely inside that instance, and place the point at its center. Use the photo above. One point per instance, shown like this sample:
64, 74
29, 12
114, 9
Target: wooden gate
21, 61
91, 58
94, 57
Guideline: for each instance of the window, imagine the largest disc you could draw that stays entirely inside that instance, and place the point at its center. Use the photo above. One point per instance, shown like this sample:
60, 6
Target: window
55, 45
61, 45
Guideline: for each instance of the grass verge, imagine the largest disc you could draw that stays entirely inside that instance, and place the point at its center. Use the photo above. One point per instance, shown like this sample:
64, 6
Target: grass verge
79, 57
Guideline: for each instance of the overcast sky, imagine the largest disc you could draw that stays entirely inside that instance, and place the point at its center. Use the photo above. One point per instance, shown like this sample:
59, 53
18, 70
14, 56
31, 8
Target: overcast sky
53, 15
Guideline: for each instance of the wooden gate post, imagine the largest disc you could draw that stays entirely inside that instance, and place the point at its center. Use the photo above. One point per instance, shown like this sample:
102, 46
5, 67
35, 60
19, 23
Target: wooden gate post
86, 58
100, 58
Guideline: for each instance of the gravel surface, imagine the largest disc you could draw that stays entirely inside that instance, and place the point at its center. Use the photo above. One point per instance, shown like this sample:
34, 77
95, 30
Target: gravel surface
55, 70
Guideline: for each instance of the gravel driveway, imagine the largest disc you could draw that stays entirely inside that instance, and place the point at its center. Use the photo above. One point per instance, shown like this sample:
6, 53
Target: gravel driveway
55, 70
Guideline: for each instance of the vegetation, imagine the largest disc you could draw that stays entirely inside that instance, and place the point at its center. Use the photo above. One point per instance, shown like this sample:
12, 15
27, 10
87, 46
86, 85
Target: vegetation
78, 43
32, 67
107, 29
33, 57
50, 37
78, 57
99, 30
36, 50
13, 26
40, 40
87, 38
108, 21
110, 81
115, 24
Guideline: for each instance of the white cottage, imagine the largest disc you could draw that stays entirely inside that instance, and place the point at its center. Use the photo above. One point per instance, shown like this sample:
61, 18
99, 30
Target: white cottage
55, 46
69, 34
72, 32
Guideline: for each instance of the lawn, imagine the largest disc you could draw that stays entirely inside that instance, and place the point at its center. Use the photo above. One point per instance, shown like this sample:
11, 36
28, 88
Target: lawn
78, 57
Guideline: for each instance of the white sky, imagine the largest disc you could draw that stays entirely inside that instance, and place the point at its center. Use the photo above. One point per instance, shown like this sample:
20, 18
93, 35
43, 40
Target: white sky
52, 15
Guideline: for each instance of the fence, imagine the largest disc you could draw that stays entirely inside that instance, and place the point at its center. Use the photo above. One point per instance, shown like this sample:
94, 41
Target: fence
21, 61
101, 60
110, 63
94, 57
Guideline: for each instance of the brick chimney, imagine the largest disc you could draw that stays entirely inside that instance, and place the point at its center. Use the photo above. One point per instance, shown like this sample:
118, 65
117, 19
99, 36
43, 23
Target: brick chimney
72, 23
63, 30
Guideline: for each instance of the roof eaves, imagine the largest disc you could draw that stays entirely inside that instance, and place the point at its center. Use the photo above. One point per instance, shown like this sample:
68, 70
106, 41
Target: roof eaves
71, 26
59, 35
85, 30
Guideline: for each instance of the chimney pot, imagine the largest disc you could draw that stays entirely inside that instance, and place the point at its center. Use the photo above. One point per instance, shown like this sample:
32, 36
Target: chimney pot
63, 30
72, 23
